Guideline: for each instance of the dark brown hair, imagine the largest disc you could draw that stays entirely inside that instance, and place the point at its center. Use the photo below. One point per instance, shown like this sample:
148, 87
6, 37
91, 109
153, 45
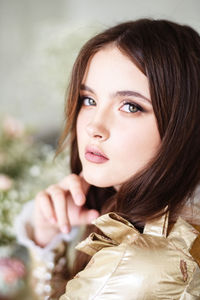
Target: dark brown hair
169, 55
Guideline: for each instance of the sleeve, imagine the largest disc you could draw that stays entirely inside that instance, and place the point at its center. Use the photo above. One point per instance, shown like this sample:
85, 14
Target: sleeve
24, 232
48, 266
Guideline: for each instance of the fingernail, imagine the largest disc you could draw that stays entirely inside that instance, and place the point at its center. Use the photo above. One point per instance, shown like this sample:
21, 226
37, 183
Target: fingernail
80, 198
65, 229
93, 216
52, 221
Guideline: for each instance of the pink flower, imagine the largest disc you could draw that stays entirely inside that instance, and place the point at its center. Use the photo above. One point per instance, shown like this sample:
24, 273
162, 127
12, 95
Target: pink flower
13, 127
5, 182
12, 269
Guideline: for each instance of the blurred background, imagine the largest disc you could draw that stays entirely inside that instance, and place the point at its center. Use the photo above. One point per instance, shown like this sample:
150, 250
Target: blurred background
39, 41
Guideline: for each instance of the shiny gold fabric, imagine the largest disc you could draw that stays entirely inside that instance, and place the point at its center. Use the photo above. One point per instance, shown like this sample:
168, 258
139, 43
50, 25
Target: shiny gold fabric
128, 265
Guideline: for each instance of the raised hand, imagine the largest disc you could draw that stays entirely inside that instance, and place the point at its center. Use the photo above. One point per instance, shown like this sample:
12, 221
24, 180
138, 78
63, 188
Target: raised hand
59, 207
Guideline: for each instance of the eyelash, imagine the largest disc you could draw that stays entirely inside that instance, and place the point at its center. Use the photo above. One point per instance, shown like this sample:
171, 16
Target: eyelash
135, 105
125, 103
86, 98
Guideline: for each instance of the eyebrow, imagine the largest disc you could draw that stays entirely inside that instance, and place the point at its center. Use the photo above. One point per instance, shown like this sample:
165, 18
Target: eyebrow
119, 93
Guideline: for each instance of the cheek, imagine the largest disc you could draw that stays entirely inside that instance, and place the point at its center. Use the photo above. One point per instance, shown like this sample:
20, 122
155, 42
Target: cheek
80, 129
138, 142
79, 126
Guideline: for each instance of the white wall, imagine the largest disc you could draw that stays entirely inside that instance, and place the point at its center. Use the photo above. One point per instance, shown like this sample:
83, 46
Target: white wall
40, 39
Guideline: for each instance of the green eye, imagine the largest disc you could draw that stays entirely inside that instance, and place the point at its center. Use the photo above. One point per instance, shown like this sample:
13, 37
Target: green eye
131, 108
88, 101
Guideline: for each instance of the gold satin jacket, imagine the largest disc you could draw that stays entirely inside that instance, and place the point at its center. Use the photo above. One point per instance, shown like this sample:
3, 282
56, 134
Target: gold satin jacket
128, 265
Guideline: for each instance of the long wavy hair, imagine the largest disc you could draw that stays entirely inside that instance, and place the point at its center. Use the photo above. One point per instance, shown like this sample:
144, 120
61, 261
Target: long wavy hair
169, 55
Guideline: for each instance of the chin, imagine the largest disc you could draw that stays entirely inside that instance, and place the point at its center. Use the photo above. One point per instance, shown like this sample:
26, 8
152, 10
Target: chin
96, 180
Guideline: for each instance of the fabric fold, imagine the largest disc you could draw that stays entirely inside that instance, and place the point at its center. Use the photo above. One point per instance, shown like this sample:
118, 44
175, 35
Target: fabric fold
116, 228
93, 243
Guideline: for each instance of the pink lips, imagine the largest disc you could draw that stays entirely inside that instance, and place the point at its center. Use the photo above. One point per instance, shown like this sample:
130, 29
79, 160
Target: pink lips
94, 155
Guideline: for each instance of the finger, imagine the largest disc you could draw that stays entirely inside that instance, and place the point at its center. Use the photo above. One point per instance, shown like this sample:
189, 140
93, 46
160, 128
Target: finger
44, 203
60, 206
85, 184
76, 186
87, 216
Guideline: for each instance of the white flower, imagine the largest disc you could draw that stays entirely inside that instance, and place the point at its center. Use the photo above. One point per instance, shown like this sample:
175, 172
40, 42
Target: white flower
5, 182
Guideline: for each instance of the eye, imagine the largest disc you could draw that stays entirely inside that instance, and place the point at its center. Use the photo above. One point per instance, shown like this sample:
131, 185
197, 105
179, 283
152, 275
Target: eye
131, 107
87, 101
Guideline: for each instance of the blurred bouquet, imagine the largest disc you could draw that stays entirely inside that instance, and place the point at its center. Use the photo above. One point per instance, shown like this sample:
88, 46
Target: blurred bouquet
13, 272
27, 165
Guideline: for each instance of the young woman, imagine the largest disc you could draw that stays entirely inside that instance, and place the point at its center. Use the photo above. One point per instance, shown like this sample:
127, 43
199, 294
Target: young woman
132, 121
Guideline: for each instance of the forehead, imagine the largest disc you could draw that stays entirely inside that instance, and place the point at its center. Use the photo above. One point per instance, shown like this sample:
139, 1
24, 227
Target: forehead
110, 69
107, 57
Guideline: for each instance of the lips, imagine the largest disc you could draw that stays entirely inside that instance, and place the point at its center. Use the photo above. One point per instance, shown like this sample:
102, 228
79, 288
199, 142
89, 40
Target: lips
93, 154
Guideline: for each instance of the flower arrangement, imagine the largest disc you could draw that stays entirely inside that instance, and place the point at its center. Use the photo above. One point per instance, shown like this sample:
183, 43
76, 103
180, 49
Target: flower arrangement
13, 271
26, 166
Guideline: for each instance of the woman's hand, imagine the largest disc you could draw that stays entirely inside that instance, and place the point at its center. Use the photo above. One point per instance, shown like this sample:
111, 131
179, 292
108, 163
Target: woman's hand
59, 207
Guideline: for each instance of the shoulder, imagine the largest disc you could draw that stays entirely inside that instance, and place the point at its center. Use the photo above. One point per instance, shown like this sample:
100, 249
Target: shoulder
127, 263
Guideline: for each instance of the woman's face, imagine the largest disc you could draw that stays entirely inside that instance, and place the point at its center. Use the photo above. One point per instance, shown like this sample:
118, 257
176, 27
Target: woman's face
116, 127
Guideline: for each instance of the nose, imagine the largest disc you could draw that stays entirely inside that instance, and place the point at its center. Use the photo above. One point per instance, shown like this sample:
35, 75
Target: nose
98, 129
